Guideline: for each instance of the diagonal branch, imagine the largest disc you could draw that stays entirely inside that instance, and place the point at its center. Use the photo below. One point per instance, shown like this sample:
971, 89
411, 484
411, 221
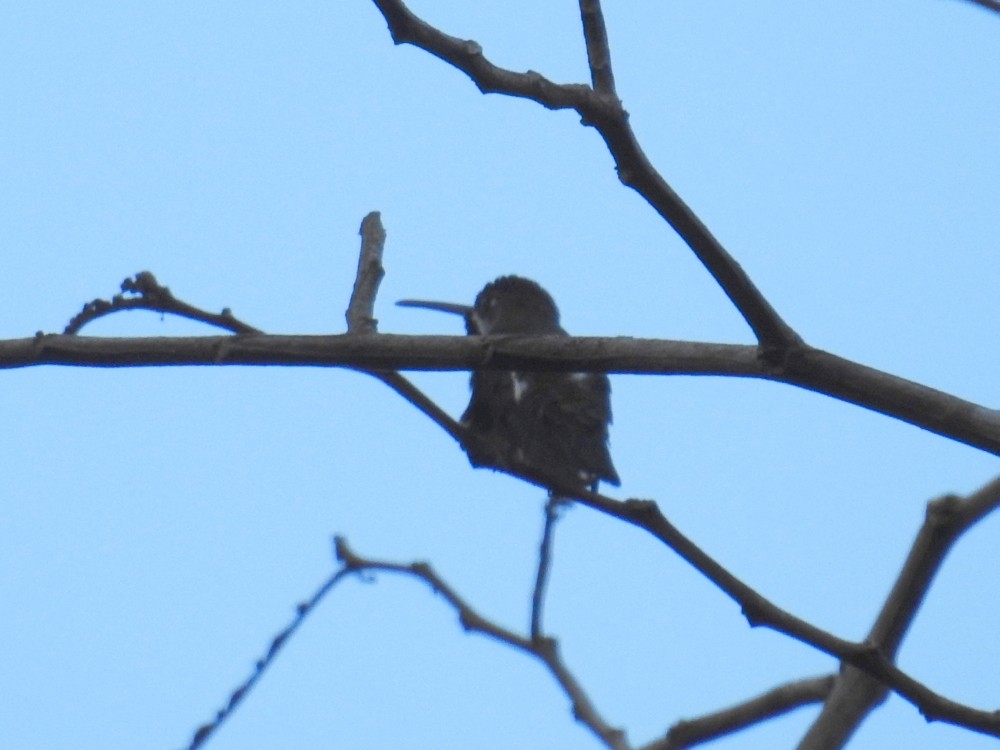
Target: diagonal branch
544, 649
856, 693
606, 114
759, 611
775, 702
205, 731
361, 321
987, 4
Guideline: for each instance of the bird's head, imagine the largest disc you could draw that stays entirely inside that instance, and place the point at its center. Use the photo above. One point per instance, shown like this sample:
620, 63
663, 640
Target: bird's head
511, 304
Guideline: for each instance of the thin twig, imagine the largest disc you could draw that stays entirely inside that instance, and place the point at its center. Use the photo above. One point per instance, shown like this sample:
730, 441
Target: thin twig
545, 649
144, 292
303, 610
552, 508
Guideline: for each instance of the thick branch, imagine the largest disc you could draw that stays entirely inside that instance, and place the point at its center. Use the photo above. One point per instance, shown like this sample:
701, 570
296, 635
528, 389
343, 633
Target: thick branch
814, 369
606, 114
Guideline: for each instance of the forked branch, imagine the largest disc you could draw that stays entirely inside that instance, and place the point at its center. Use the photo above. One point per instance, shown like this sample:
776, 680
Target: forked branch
600, 108
544, 650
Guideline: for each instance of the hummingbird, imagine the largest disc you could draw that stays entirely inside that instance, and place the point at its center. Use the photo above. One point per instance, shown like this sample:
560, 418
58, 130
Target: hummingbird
555, 422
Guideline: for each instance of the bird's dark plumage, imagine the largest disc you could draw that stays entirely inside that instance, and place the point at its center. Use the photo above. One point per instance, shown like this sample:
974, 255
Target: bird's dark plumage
556, 422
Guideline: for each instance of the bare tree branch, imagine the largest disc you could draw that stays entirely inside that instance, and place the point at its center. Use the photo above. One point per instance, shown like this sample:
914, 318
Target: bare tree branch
988, 4
361, 321
873, 658
950, 518
856, 693
205, 731
144, 292
868, 667
361, 309
595, 34
544, 649
776, 702
606, 114
552, 508
813, 369
759, 611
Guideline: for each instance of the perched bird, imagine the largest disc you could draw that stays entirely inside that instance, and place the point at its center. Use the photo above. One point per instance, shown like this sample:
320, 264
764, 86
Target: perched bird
556, 422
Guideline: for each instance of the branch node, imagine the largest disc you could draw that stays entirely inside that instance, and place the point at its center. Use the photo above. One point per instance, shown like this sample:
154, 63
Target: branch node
343, 553
641, 510
945, 511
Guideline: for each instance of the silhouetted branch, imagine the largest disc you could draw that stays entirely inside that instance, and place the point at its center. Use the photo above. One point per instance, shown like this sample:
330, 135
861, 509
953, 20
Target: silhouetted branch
776, 702
605, 113
303, 610
552, 508
361, 309
545, 649
872, 657
760, 611
950, 518
150, 295
815, 370
595, 34
856, 693
988, 4
361, 321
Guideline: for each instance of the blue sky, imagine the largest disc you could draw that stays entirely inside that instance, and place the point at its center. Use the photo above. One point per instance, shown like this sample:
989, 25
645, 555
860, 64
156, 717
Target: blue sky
159, 526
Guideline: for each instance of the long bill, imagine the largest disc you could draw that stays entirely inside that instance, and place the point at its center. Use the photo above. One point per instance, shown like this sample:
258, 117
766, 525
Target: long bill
448, 307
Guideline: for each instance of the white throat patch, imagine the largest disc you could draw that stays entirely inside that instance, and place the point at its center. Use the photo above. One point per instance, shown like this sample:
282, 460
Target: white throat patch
520, 385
